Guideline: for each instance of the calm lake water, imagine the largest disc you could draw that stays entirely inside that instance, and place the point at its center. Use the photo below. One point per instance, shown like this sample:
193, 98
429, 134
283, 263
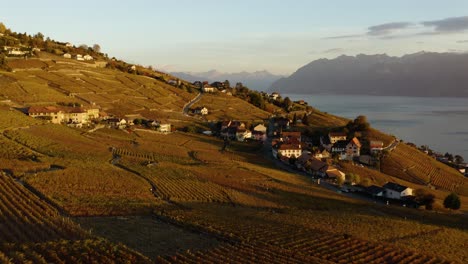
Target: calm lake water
440, 123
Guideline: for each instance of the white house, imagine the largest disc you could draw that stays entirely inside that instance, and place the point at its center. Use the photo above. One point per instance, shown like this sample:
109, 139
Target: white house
164, 128
88, 57
68, 44
208, 89
243, 134
353, 149
396, 191
287, 150
67, 56
79, 57
274, 96
376, 146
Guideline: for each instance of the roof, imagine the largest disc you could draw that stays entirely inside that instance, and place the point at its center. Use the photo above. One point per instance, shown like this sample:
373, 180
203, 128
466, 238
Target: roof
355, 141
374, 190
317, 165
337, 134
394, 186
289, 146
376, 144
291, 134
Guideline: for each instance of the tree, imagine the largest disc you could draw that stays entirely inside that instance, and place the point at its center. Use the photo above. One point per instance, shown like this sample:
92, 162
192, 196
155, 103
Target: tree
361, 124
305, 119
39, 36
458, 159
294, 121
2, 28
83, 46
452, 201
97, 48
257, 100
425, 198
287, 104
227, 84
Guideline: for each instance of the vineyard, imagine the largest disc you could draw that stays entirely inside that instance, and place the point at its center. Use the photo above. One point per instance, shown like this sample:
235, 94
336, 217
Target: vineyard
255, 239
414, 166
31, 231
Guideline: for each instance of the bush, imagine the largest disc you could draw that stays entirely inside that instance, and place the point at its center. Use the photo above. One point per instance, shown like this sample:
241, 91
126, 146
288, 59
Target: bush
452, 201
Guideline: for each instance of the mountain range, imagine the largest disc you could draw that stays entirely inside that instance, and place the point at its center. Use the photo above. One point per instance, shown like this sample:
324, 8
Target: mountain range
259, 80
425, 74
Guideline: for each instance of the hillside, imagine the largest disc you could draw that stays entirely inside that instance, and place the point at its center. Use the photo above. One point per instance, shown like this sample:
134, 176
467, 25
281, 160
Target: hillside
136, 195
421, 74
412, 165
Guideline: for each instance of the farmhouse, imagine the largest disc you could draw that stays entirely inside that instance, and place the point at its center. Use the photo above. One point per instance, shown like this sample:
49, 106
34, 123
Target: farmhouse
67, 56
353, 149
60, 114
260, 128
274, 96
396, 191
374, 191
208, 89
286, 150
88, 57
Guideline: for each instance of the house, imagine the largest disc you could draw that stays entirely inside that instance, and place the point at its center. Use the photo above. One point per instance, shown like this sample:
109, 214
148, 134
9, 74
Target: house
133, 68
337, 136
88, 57
311, 165
376, 146
79, 57
259, 135
374, 191
396, 191
117, 123
174, 82
353, 149
339, 147
208, 89
324, 154
198, 84
218, 85
260, 128
200, 110
67, 56
283, 149
334, 173
291, 136
164, 128
61, 114
274, 96
68, 44
242, 134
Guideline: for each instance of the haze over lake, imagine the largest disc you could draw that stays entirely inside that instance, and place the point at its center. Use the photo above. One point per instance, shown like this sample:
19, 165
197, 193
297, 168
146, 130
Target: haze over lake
440, 123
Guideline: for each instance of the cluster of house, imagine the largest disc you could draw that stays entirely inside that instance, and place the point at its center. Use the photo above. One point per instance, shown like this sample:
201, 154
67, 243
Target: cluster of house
236, 130
390, 190
78, 57
205, 87
19, 51
79, 116
62, 114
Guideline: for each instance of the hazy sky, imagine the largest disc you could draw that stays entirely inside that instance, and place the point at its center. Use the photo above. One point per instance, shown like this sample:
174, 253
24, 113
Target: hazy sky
235, 35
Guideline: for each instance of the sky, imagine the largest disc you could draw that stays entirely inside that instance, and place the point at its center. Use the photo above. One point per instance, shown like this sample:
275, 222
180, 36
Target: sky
244, 35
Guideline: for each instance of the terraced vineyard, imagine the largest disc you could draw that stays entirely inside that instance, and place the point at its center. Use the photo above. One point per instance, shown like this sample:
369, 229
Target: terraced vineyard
412, 165
31, 231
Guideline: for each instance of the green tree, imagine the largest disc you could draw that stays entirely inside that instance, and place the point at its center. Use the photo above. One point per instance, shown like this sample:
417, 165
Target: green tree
452, 201
257, 100
227, 84
425, 198
458, 159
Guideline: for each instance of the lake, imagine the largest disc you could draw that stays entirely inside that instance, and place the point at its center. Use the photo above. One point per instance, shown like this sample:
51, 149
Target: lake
440, 123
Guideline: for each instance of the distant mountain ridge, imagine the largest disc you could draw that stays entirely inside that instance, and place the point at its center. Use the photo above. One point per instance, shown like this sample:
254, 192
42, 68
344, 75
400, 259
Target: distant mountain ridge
259, 80
425, 74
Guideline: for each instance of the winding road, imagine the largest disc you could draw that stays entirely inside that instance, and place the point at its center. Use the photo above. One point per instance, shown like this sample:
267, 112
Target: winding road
190, 103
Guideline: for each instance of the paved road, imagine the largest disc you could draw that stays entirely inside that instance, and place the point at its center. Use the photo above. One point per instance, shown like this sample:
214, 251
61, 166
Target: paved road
189, 104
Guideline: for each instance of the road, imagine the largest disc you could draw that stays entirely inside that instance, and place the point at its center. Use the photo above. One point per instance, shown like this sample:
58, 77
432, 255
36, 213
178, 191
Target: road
189, 104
